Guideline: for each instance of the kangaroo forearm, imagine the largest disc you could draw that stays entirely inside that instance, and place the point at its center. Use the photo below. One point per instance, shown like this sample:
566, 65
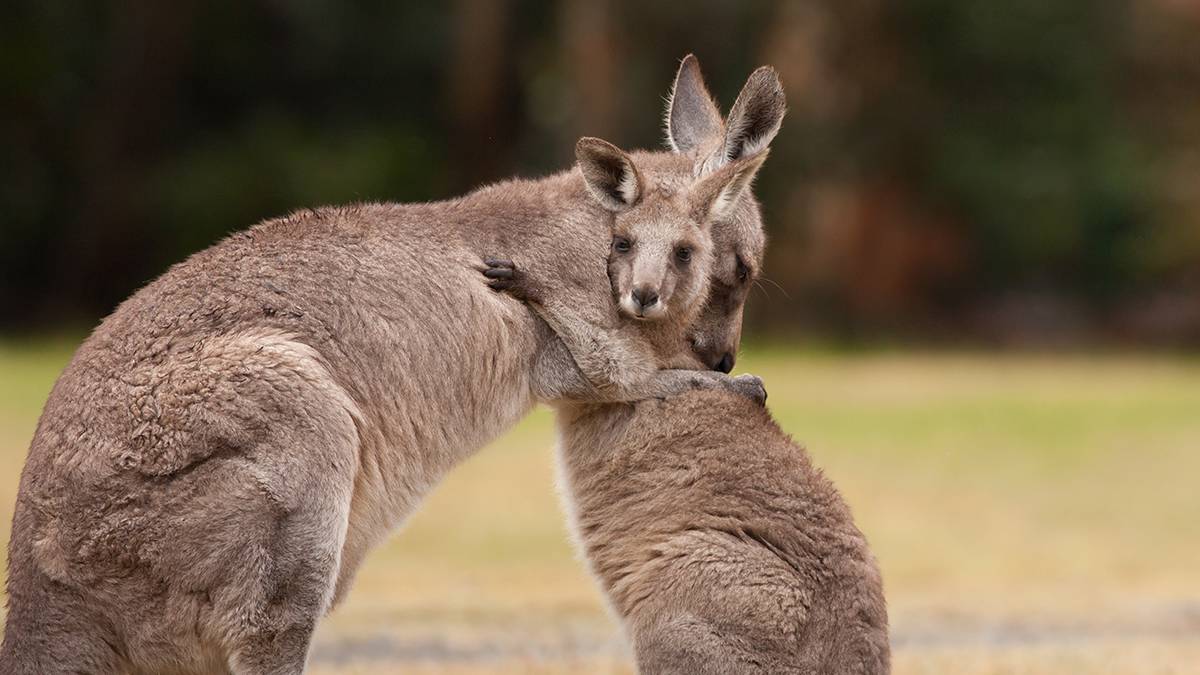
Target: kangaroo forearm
603, 357
659, 384
672, 382
608, 368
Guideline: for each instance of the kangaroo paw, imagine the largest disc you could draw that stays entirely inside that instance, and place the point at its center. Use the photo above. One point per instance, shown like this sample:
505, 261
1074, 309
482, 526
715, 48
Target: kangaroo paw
751, 386
504, 277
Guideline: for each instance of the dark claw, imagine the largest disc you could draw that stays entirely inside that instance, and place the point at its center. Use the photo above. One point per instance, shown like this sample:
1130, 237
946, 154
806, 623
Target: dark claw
503, 276
501, 273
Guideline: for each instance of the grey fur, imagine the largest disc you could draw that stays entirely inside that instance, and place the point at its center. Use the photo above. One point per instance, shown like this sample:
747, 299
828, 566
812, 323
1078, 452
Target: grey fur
695, 128
608, 174
222, 452
753, 122
692, 116
662, 247
719, 545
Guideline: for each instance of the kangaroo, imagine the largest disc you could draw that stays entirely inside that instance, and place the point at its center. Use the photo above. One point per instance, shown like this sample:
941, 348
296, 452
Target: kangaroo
719, 545
659, 266
221, 453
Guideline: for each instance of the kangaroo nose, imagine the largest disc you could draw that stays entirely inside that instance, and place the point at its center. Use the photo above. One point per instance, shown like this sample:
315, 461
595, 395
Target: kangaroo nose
725, 364
645, 297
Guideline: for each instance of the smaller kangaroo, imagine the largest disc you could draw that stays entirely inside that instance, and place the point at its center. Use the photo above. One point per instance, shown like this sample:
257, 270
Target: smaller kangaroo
718, 543
720, 546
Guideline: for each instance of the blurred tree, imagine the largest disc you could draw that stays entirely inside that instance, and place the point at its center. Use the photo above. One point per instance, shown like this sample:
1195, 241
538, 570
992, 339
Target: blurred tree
481, 82
943, 161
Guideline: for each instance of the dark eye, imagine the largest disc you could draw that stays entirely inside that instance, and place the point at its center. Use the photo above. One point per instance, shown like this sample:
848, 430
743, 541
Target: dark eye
683, 254
621, 244
743, 272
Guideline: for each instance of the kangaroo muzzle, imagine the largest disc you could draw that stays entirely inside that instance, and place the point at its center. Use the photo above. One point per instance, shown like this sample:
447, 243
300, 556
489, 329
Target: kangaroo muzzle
643, 302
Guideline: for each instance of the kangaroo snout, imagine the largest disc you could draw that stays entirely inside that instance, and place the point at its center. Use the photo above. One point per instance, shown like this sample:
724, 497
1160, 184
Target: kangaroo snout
725, 365
644, 297
643, 303
718, 357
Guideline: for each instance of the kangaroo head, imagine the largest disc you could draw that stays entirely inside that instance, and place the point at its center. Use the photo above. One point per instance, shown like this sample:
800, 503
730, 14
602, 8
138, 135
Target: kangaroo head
661, 251
696, 130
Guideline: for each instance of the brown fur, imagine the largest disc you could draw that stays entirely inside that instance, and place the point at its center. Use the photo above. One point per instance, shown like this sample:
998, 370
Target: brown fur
695, 128
222, 452
719, 545
657, 214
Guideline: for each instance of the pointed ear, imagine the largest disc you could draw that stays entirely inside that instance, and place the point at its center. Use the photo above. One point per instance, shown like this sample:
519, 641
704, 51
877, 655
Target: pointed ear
754, 119
692, 117
608, 173
714, 196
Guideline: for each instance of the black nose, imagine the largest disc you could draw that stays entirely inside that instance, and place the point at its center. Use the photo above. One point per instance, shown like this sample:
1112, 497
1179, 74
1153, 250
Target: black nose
725, 364
645, 297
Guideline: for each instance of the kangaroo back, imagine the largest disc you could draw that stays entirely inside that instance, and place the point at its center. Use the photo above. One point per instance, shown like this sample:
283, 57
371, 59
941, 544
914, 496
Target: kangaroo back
718, 543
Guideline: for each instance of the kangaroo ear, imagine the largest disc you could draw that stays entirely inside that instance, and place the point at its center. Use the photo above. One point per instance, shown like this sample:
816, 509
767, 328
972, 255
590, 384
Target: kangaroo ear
692, 117
608, 173
714, 196
754, 119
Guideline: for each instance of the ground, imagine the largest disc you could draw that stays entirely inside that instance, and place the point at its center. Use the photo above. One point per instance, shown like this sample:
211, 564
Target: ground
1032, 515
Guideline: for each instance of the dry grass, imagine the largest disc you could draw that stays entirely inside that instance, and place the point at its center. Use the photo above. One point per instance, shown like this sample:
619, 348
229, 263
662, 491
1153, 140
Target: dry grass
1032, 514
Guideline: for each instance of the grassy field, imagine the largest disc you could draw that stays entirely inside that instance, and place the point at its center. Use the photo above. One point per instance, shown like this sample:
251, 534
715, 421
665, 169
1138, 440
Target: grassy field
1032, 514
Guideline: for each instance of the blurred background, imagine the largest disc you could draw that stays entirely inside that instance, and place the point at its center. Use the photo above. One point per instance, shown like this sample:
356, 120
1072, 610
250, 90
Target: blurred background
982, 313
949, 169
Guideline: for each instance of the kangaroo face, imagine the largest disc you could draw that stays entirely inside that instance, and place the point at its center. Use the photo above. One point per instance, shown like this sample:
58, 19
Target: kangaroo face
662, 226
696, 130
737, 259
659, 259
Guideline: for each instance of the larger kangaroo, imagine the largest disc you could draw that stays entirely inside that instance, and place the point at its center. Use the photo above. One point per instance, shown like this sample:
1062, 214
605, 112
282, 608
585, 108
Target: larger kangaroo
222, 452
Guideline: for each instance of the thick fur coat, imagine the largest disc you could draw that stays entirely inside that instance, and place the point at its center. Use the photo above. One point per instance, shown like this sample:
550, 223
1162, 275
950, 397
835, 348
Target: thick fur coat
717, 542
720, 547
222, 452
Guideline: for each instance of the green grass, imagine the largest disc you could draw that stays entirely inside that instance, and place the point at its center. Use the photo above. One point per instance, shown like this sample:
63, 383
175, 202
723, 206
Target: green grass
1032, 514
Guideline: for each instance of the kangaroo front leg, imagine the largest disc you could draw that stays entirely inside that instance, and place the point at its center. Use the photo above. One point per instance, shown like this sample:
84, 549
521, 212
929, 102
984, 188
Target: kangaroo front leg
750, 386
667, 382
611, 363
615, 367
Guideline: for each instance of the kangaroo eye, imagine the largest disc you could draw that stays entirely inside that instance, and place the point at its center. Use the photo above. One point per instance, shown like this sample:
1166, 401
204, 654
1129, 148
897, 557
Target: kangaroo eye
621, 244
683, 254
